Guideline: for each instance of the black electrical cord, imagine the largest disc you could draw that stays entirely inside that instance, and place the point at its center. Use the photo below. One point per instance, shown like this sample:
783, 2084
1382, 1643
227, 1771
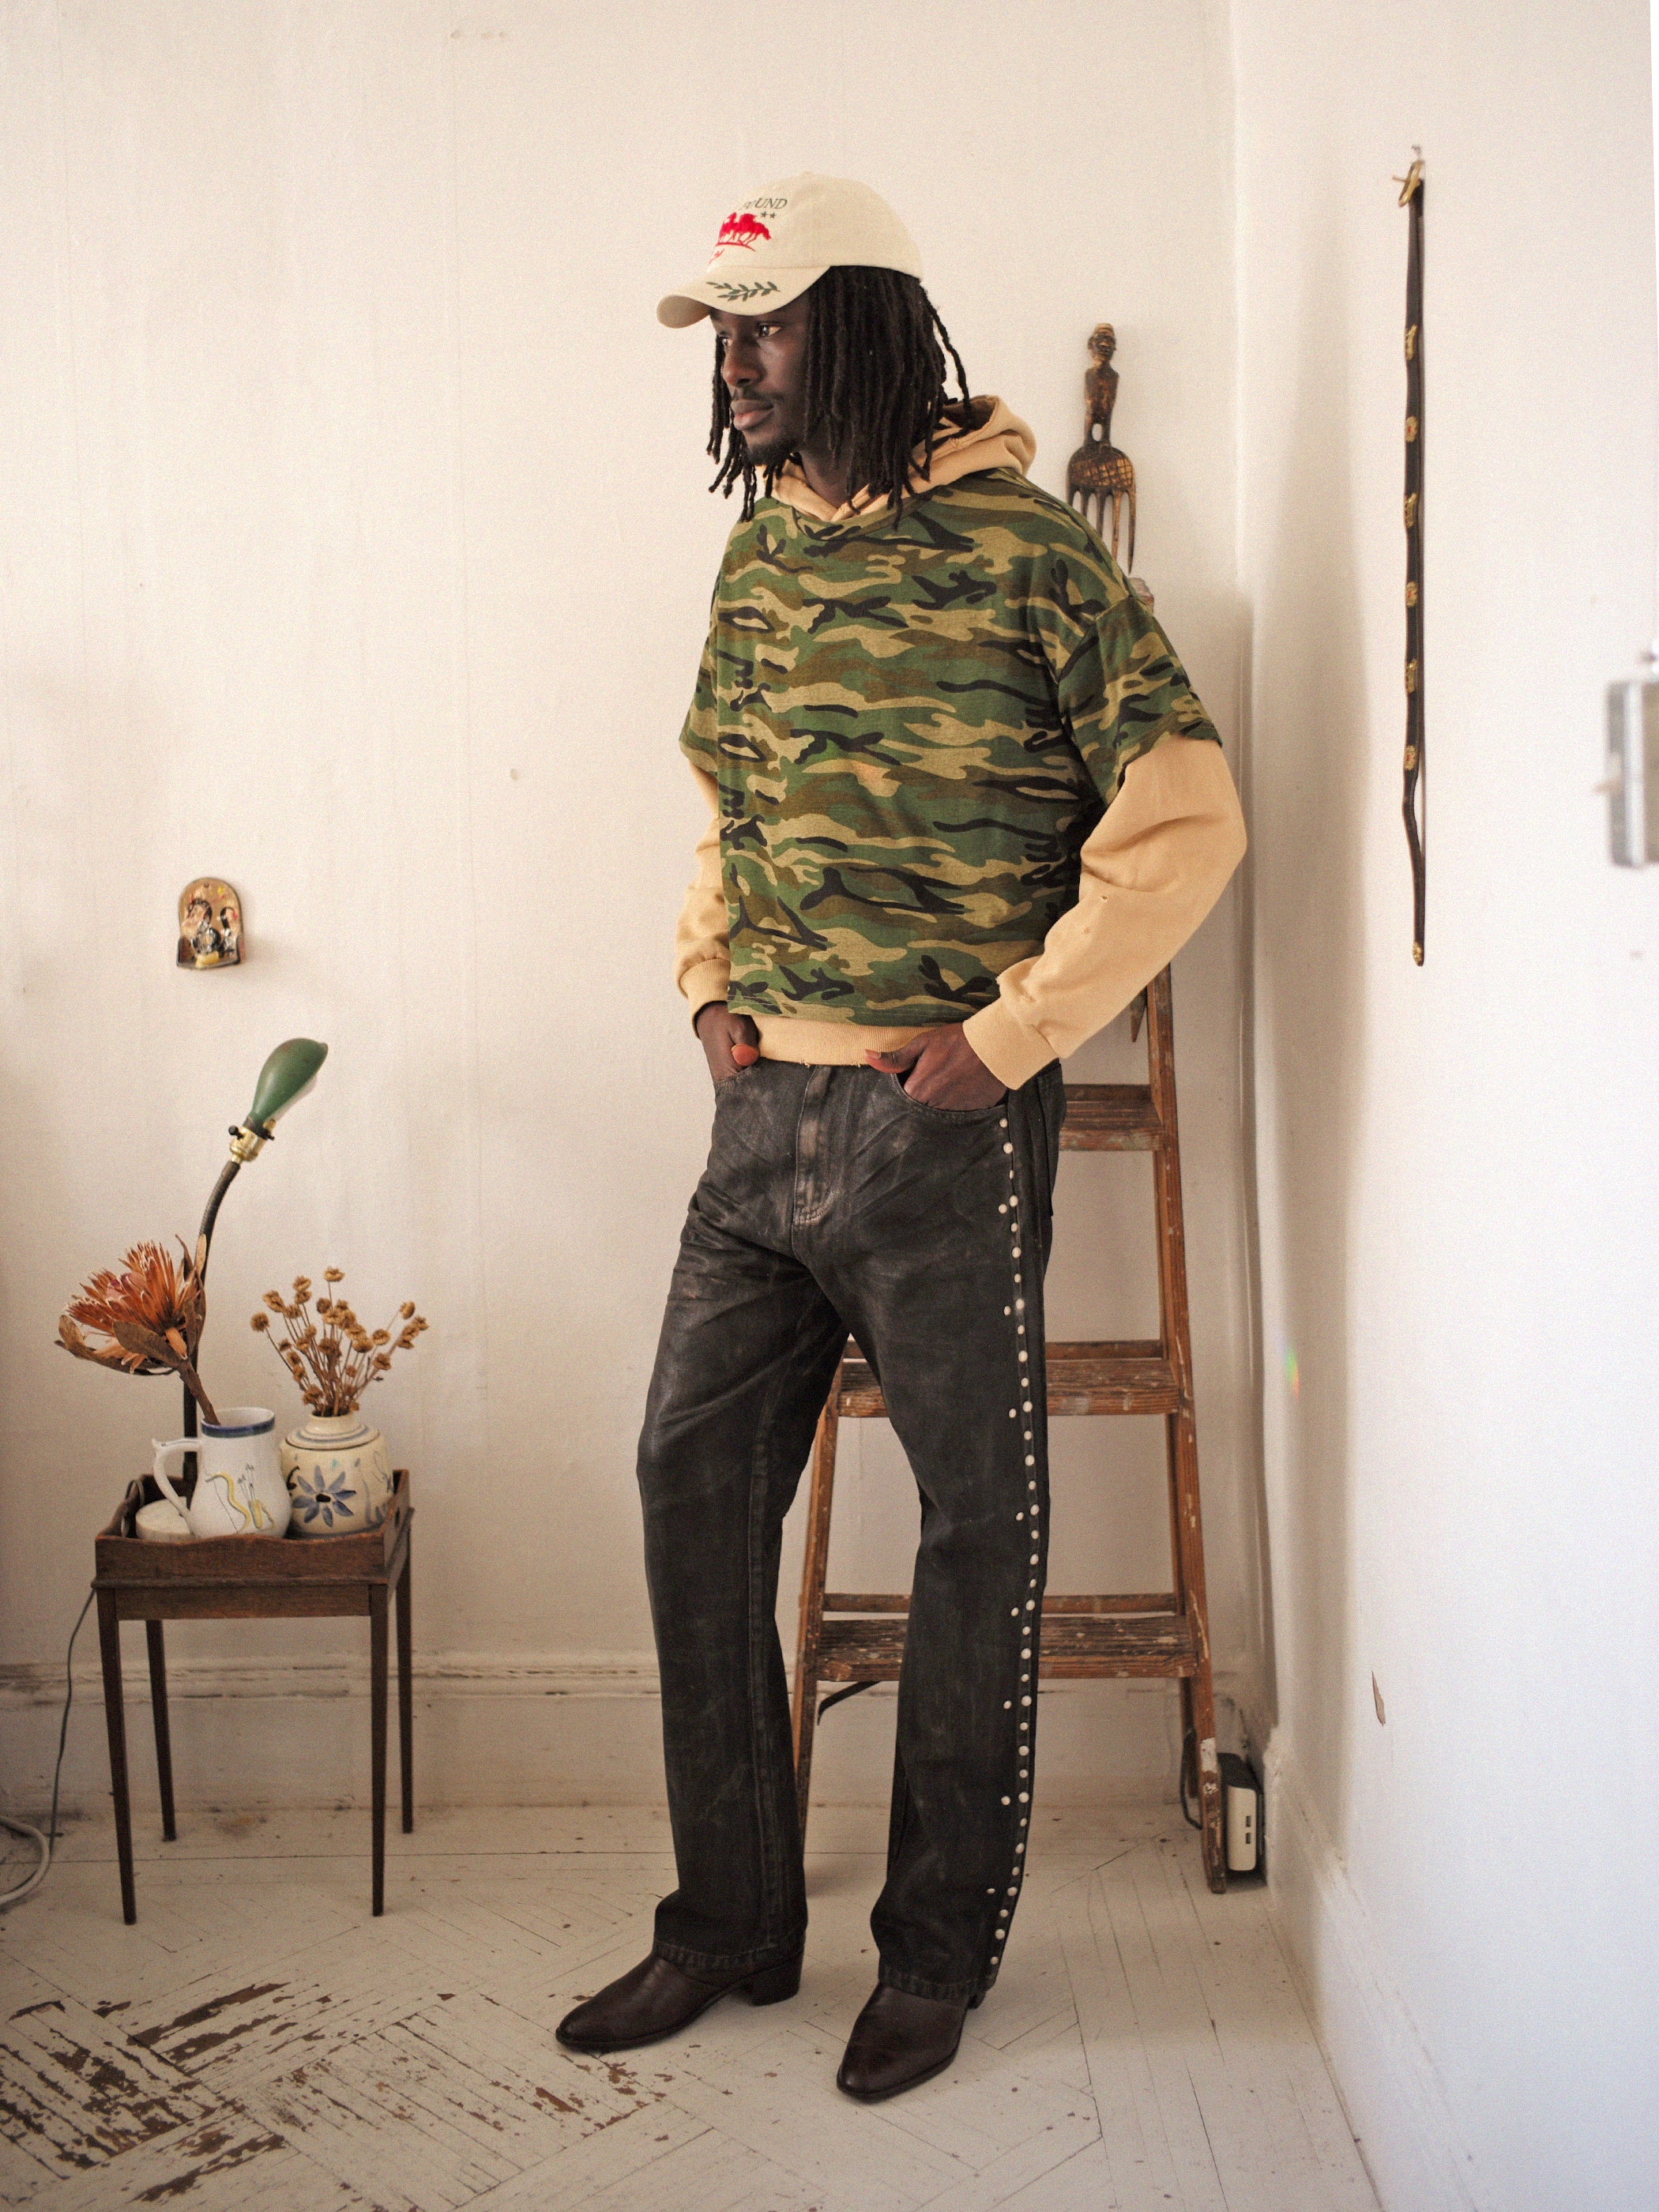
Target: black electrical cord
1189, 1756
851, 1691
22, 1828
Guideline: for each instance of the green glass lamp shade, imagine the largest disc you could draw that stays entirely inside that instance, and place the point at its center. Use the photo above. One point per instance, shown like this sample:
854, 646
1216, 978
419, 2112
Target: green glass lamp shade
287, 1075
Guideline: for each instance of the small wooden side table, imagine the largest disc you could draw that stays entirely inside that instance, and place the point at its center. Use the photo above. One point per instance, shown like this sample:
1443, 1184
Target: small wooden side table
253, 1577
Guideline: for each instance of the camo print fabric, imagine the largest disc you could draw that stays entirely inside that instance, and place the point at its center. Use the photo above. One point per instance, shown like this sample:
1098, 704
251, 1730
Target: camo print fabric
914, 725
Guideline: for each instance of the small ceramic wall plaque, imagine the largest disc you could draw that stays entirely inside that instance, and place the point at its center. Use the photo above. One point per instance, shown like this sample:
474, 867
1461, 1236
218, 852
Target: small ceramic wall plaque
209, 925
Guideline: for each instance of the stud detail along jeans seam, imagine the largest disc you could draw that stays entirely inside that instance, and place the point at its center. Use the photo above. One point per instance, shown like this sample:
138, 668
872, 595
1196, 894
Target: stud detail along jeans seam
832, 1199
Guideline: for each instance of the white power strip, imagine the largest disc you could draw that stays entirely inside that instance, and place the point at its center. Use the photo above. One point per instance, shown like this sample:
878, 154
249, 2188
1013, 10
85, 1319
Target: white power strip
1240, 1799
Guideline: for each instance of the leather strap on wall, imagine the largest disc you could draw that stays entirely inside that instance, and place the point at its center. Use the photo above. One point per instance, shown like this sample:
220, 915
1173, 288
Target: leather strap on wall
1413, 807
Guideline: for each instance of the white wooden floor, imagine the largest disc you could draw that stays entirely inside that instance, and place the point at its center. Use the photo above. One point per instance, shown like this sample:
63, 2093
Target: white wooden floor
259, 2044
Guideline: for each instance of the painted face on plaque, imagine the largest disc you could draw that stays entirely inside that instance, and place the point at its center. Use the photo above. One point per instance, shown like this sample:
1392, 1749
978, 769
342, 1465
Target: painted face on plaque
209, 925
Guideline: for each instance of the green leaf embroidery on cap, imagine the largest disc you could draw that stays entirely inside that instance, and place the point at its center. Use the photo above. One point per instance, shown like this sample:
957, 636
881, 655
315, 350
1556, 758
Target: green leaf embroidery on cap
743, 291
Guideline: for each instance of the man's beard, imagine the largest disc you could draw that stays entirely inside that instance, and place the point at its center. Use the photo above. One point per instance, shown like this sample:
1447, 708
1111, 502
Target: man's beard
767, 455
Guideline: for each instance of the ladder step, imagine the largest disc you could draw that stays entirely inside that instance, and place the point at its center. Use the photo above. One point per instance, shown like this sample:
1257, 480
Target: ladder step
899, 1601
1074, 1646
1110, 1117
1083, 1378
1155, 1644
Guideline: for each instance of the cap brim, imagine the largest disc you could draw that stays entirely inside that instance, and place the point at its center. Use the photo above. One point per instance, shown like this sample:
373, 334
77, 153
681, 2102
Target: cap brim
736, 294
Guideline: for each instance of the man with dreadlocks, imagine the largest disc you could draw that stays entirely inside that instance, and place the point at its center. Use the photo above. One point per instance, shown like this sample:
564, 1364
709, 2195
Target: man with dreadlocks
964, 805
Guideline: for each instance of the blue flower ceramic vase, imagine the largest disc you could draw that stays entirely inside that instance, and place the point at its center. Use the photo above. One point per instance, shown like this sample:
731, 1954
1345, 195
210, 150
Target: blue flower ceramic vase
339, 1472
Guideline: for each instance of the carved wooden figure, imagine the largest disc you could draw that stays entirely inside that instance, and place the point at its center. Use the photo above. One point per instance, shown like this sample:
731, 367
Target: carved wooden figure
1097, 470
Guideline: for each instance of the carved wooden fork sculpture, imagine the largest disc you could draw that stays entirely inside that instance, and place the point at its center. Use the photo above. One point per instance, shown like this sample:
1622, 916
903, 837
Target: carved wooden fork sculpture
1097, 473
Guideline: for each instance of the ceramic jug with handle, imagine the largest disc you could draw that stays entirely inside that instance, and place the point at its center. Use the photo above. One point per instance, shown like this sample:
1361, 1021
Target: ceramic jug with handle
239, 1489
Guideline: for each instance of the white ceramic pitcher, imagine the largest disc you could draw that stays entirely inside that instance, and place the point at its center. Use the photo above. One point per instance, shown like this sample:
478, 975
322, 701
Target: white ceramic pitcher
239, 1490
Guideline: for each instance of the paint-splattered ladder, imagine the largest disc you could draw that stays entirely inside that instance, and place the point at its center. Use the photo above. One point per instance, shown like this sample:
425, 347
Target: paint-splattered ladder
854, 1637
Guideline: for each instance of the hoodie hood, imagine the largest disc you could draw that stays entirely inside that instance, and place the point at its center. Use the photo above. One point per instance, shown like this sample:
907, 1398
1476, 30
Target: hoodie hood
1001, 441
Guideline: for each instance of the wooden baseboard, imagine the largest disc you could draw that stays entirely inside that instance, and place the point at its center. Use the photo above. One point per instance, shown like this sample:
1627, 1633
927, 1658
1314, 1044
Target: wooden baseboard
549, 1727
452, 1673
1390, 2089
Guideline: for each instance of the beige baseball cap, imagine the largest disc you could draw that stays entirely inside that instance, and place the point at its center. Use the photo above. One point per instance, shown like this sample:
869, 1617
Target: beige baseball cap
782, 239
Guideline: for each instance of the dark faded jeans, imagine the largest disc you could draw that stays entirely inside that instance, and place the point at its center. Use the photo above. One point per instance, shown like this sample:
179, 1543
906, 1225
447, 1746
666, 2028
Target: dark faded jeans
833, 1201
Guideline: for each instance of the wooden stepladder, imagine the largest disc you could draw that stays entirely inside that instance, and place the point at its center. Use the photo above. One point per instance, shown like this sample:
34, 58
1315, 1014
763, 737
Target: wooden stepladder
857, 1638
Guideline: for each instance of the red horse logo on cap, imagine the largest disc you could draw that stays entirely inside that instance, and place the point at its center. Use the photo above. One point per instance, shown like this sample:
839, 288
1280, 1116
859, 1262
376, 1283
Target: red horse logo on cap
741, 230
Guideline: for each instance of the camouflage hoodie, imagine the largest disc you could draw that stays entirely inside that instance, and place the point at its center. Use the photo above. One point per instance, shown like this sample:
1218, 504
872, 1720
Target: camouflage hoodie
914, 735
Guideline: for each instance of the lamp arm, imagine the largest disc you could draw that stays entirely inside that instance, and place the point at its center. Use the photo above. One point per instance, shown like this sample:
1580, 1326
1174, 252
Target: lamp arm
288, 1074
227, 1176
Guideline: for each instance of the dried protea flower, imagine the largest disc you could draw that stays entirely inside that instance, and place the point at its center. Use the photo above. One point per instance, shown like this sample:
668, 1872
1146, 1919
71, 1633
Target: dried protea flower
151, 1313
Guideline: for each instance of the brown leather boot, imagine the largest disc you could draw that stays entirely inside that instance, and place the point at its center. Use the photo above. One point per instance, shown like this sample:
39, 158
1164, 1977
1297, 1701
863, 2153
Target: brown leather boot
898, 2041
655, 1999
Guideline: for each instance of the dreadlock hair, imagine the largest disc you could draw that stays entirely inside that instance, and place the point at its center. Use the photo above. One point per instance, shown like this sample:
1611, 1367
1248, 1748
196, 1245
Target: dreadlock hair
875, 386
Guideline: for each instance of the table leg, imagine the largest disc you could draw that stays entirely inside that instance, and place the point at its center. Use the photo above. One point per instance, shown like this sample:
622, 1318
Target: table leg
158, 1700
109, 1643
406, 1688
377, 1685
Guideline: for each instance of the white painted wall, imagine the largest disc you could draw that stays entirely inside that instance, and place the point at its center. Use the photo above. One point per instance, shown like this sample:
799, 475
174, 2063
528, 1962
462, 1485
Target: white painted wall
1456, 1184
356, 547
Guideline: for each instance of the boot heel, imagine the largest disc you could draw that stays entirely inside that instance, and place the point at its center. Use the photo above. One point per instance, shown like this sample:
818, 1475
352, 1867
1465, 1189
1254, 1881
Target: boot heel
774, 1983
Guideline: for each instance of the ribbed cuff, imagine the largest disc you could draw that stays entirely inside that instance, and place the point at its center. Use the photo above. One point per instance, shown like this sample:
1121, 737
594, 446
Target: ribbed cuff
1012, 1052
701, 985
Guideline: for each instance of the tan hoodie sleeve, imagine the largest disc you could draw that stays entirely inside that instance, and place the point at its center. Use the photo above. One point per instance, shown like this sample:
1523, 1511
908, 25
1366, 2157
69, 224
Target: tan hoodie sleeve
702, 963
1154, 865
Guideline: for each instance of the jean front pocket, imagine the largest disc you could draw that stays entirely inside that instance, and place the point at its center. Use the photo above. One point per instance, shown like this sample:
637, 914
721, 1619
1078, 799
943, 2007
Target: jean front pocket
947, 1114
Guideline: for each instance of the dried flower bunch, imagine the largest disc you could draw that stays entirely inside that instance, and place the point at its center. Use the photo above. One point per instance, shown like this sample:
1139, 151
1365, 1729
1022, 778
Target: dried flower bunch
152, 1314
335, 1364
